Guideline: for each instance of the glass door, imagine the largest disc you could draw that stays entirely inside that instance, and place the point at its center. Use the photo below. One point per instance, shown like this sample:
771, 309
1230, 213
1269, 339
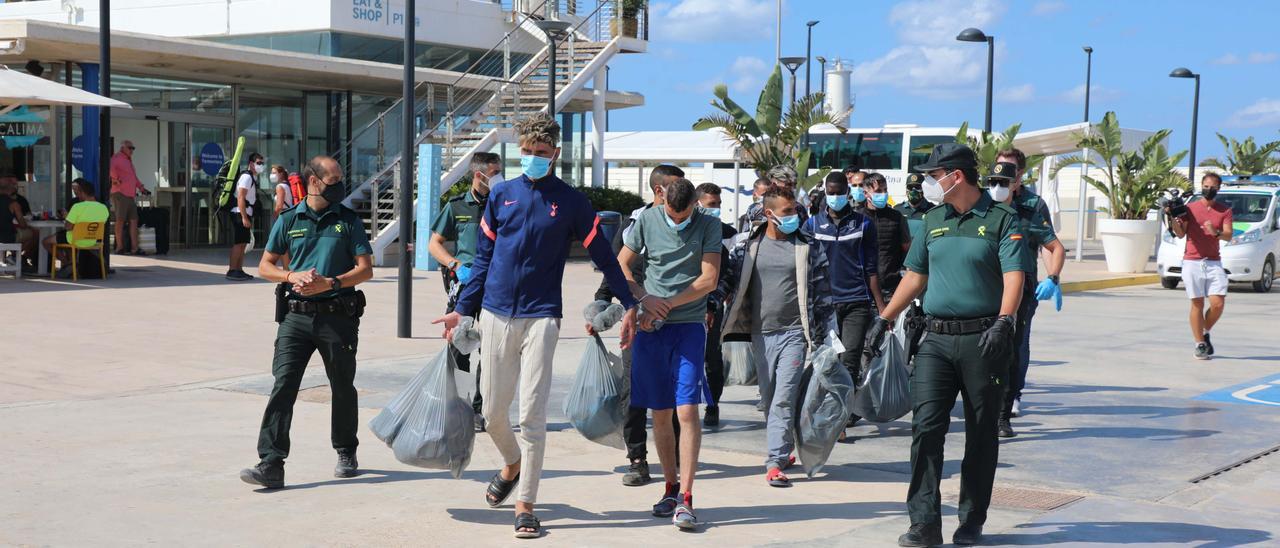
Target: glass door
208, 147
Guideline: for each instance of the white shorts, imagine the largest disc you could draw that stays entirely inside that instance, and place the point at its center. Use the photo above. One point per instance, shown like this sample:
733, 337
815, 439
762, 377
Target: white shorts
1204, 277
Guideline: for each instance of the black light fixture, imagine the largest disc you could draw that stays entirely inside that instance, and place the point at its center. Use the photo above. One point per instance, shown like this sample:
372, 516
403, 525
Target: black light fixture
1182, 72
974, 35
554, 30
35, 68
808, 50
792, 63
1088, 79
822, 73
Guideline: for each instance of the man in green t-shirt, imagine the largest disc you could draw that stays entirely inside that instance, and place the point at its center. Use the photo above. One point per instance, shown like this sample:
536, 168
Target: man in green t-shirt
87, 210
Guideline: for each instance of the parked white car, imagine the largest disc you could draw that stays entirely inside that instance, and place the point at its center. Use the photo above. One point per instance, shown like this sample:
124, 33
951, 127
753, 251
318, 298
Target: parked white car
1251, 255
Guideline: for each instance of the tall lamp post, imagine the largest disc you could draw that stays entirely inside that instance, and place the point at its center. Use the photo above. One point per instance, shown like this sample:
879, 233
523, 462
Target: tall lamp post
808, 51
404, 286
792, 63
822, 73
1084, 170
554, 30
1181, 72
974, 35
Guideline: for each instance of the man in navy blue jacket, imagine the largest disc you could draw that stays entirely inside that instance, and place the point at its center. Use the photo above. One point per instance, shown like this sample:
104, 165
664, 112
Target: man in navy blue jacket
524, 241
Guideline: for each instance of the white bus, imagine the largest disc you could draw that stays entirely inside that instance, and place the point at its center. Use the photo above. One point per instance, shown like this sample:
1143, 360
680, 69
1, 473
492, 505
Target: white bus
889, 151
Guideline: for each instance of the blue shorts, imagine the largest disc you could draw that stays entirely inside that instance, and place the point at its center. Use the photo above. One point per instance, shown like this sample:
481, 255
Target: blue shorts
667, 367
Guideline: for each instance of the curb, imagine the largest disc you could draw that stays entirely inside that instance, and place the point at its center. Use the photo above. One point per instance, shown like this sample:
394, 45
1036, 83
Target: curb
1108, 283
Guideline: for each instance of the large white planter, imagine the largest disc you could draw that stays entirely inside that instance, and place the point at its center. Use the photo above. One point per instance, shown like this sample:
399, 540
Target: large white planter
1128, 243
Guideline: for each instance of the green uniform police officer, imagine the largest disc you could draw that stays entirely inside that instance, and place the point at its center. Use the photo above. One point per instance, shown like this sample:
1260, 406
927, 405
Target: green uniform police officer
459, 222
971, 258
328, 253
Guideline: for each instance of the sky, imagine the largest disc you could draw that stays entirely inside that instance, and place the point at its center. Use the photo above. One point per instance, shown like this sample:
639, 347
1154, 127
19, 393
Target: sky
909, 68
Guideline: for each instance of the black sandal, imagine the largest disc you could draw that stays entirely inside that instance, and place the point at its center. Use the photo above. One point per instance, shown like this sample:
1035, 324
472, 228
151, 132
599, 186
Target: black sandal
499, 489
528, 521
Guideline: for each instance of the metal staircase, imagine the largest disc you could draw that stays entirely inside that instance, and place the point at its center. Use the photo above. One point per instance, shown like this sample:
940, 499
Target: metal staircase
476, 113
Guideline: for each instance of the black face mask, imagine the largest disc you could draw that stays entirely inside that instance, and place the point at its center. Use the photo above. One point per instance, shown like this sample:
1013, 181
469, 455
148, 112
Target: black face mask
1209, 193
335, 192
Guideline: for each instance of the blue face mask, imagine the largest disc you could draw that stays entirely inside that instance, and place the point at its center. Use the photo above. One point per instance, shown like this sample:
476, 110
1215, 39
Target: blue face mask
838, 202
535, 167
710, 211
859, 195
788, 224
683, 225
879, 200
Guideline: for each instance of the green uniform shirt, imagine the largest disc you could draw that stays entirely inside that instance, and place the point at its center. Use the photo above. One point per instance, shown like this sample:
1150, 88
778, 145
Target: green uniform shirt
1036, 224
914, 215
966, 256
328, 241
673, 259
459, 222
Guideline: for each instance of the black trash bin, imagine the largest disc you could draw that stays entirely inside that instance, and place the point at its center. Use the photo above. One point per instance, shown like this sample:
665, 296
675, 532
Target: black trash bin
609, 223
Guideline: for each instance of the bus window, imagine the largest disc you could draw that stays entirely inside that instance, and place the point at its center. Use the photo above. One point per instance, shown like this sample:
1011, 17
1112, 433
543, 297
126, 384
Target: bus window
869, 151
922, 145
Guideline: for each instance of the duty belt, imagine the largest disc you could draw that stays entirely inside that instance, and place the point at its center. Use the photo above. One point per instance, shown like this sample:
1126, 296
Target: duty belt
957, 327
351, 305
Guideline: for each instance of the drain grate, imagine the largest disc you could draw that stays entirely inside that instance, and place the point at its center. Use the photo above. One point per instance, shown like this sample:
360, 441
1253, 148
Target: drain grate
1031, 499
1235, 465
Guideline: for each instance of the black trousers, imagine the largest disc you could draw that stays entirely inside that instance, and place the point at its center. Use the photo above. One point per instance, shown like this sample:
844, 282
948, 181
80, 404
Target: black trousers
335, 336
853, 320
462, 361
715, 359
948, 366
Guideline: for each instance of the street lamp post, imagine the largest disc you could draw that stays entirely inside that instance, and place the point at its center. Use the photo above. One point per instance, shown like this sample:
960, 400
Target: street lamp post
974, 35
554, 30
1084, 170
1181, 72
822, 73
792, 63
808, 51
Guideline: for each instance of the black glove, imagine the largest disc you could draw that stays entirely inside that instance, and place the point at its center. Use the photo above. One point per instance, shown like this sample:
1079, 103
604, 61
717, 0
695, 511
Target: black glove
875, 336
997, 339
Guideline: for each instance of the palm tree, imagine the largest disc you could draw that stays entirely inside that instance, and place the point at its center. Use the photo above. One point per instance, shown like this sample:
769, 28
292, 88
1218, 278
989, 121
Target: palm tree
1246, 157
987, 147
771, 137
1134, 179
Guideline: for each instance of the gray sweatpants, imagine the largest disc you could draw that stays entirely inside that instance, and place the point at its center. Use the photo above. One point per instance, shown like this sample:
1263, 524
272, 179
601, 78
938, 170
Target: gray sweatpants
779, 374
517, 353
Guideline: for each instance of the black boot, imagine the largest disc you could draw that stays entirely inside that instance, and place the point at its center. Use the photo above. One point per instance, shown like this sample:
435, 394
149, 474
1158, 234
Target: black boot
1004, 429
712, 417
922, 534
269, 475
637, 474
967, 535
347, 466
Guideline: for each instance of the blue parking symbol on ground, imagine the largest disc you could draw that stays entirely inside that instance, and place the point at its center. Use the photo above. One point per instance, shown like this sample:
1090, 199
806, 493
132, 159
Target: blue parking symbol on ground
1264, 391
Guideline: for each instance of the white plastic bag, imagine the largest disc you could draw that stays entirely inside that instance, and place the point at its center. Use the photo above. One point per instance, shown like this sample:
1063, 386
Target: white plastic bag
594, 405
823, 408
741, 363
885, 393
438, 430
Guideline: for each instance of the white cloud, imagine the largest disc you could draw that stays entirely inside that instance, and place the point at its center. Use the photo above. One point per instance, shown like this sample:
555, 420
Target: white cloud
929, 61
1048, 7
1228, 59
1260, 58
713, 20
746, 75
1096, 93
1017, 94
1263, 112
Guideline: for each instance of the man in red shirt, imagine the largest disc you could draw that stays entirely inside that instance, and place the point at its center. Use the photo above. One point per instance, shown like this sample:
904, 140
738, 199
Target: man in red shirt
1206, 225
125, 187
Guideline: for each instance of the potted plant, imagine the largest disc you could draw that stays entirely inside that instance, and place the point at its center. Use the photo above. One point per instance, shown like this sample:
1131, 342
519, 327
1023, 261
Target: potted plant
1132, 182
628, 21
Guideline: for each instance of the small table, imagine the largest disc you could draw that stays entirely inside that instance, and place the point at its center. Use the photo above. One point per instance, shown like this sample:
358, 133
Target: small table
46, 228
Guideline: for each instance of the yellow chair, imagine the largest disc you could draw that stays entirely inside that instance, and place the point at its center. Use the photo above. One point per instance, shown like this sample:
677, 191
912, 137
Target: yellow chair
81, 231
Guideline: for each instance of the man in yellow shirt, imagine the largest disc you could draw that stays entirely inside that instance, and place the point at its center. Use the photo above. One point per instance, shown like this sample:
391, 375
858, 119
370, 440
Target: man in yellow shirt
87, 210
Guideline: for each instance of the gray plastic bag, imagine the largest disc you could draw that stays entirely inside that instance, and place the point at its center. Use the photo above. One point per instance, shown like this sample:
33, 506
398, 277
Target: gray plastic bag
438, 430
823, 408
466, 337
594, 404
741, 363
388, 422
603, 315
885, 394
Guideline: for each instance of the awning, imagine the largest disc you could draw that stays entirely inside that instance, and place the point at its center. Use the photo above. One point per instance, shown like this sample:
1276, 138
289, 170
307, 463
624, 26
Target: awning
18, 89
1062, 139
668, 146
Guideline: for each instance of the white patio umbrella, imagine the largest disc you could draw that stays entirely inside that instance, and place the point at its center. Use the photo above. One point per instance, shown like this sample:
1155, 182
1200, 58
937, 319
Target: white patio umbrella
17, 89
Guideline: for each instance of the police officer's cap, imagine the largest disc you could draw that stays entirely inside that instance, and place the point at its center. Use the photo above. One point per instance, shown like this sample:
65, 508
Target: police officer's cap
915, 180
1003, 172
948, 156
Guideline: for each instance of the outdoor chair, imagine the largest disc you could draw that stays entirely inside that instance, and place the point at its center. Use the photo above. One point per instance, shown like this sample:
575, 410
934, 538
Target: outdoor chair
80, 231
16, 266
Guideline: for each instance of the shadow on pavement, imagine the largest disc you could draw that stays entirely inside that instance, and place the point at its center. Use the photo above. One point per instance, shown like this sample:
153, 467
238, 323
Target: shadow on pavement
1132, 532
1038, 388
709, 517
1108, 432
1147, 411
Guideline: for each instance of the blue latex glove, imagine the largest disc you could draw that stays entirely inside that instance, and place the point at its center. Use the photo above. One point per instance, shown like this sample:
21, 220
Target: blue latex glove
1049, 290
464, 273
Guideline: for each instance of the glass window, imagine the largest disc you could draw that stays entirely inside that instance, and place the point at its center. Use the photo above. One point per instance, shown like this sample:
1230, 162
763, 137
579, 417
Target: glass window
922, 145
381, 50
174, 95
868, 151
1245, 208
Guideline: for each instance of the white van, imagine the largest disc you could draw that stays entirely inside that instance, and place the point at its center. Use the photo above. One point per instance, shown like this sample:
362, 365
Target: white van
1254, 248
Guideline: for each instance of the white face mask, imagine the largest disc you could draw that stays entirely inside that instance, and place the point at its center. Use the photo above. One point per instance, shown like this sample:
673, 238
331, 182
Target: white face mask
274, 178
489, 182
999, 193
933, 188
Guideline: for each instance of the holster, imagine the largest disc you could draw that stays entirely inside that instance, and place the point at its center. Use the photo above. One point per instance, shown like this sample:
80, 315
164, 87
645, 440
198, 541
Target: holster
282, 301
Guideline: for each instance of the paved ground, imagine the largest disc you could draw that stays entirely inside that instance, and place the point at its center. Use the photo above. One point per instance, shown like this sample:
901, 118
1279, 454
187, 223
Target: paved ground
129, 406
